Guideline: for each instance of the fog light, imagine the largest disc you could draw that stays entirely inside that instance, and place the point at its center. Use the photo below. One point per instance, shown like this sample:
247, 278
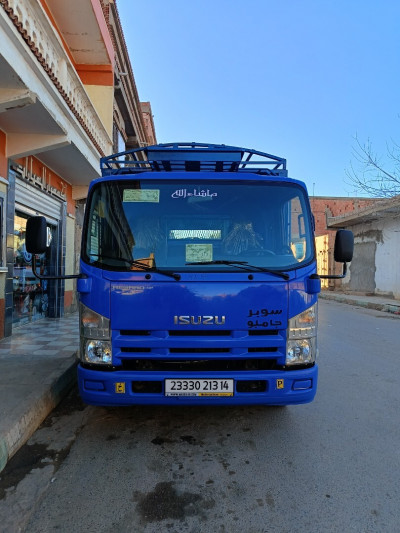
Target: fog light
302, 384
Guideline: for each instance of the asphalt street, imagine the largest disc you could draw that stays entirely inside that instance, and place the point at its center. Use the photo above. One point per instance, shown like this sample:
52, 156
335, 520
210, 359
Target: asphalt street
329, 466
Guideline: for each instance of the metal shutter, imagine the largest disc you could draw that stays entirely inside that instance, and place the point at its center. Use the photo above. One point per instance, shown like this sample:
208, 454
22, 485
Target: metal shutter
32, 200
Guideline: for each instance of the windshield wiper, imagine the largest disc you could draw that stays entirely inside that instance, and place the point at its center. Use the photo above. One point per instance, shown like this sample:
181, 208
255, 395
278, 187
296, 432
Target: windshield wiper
142, 266
148, 268
244, 265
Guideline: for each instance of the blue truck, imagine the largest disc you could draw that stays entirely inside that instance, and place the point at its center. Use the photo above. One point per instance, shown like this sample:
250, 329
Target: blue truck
198, 279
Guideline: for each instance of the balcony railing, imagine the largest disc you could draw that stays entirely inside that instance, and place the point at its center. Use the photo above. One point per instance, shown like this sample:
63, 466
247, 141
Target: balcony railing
39, 34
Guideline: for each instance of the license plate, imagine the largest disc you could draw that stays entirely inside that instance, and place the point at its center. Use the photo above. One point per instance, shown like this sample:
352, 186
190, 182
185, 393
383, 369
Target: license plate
199, 387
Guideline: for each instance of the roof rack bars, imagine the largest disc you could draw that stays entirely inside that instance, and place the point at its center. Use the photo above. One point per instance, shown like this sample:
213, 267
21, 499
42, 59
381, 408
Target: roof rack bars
192, 157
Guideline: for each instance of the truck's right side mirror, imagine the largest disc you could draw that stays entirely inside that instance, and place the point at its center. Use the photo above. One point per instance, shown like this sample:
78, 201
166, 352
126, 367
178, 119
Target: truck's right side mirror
344, 246
36, 235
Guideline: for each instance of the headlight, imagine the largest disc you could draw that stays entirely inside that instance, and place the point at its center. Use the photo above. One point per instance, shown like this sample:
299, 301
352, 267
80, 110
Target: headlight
301, 345
98, 352
95, 337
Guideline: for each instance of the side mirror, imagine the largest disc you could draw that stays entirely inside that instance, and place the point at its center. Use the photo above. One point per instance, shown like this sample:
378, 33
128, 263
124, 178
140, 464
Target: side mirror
344, 246
343, 252
36, 235
37, 240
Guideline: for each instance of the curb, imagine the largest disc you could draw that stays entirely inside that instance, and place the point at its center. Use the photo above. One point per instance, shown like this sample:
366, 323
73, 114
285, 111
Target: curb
23, 429
388, 308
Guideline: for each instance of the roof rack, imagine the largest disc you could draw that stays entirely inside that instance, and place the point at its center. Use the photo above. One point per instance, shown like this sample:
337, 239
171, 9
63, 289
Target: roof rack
192, 157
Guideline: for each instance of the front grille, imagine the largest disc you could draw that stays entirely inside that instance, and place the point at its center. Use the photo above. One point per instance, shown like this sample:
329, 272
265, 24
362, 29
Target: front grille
198, 333
135, 332
251, 386
207, 365
199, 350
135, 350
263, 332
147, 387
259, 350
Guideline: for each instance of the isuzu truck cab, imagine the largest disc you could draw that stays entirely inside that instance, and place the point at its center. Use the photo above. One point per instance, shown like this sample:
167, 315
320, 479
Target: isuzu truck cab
198, 279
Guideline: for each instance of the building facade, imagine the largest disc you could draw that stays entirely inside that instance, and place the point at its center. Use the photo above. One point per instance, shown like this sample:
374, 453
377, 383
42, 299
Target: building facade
60, 108
324, 208
375, 265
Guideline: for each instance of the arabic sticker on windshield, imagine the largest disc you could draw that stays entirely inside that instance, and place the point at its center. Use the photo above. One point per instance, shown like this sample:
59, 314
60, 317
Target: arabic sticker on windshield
199, 252
142, 195
203, 194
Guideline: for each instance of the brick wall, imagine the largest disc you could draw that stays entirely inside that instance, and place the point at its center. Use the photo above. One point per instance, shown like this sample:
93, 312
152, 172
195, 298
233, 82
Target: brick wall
323, 206
326, 206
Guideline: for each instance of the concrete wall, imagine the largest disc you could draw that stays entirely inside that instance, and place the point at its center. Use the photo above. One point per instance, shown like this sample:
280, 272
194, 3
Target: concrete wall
102, 98
387, 275
362, 268
376, 263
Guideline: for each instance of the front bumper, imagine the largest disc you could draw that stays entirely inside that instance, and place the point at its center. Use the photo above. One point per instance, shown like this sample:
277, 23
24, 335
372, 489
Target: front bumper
105, 388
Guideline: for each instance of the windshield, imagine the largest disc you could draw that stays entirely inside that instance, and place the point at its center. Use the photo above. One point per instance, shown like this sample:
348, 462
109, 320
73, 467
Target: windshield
169, 224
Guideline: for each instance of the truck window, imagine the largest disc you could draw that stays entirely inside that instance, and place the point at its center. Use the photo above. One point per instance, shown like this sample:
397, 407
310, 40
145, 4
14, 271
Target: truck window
172, 223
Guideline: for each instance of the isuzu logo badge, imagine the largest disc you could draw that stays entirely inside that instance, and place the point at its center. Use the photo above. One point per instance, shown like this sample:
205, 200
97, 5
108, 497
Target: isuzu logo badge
197, 320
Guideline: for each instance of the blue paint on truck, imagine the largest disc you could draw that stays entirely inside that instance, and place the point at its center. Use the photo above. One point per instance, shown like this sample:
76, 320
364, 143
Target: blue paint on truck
198, 280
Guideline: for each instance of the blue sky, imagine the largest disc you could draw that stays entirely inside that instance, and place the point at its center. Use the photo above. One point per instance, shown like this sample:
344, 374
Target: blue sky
295, 78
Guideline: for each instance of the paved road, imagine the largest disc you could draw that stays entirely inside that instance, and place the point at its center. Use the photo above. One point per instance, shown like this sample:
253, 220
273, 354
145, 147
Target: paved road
330, 466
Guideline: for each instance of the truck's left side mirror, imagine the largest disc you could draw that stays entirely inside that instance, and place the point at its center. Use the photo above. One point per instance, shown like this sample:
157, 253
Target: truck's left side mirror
344, 246
36, 235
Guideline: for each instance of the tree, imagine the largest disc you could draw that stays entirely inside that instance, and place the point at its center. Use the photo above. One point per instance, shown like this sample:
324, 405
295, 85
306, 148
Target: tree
370, 175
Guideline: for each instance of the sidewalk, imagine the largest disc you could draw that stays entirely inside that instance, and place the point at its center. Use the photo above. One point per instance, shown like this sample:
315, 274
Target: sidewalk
37, 368
379, 303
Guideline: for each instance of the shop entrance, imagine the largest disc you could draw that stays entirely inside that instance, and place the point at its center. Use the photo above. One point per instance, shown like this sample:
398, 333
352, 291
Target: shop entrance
30, 295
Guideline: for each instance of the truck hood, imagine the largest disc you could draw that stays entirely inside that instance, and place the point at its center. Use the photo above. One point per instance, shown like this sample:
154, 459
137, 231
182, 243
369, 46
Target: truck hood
198, 305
